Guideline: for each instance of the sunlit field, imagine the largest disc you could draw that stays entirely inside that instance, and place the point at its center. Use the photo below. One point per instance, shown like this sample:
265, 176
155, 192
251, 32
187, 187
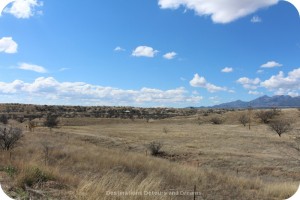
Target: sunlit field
101, 158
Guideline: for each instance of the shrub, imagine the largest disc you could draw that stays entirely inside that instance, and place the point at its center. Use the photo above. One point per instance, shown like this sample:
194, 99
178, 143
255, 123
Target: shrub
10, 170
155, 148
280, 126
265, 115
216, 120
244, 119
276, 111
20, 119
3, 119
9, 137
32, 176
165, 130
51, 121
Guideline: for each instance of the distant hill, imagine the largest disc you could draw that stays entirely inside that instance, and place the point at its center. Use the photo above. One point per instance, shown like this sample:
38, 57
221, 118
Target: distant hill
264, 102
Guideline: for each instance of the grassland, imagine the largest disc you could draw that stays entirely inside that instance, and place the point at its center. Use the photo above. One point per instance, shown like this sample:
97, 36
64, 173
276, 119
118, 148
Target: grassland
88, 158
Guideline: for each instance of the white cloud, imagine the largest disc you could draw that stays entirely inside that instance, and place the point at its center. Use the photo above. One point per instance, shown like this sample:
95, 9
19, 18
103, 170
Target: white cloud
245, 80
118, 48
256, 19
254, 92
31, 67
293, 93
271, 64
8, 45
3, 4
260, 71
83, 93
281, 91
248, 83
282, 84
144, 51
64, 69
227, 70
215, 99
199, 81
221, 11
170, 55
24, 8
195, 92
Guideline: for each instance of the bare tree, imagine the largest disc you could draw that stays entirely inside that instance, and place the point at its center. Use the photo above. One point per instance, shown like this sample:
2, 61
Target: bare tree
244, 119
9, 137
280, 126
265, 115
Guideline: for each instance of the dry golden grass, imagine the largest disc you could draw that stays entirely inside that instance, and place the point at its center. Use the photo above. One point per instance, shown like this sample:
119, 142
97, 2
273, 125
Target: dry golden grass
225, 161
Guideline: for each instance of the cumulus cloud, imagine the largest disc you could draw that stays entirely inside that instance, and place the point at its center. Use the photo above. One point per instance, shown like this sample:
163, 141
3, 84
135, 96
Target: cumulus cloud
282, 84
271, 64
199, 81
249, 83
227, 70
144, 51
3, 4
221, 11
170, 55
24, 8
83, 93
31, 67
256, 19
8, 45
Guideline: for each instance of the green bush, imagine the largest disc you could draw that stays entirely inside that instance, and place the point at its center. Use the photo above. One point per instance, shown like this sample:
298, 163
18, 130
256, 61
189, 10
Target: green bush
10, 170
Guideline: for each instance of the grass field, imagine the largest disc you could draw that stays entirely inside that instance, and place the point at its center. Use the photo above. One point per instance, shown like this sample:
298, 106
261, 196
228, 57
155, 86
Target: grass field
89, 158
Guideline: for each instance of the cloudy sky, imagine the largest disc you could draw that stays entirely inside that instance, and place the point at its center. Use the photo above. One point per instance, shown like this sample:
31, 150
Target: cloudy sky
148, 52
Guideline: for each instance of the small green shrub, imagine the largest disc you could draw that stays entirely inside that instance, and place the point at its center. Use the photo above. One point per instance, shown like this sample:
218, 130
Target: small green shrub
10, 170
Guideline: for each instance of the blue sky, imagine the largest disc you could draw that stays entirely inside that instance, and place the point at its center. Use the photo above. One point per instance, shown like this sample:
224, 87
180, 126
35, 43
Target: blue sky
148, 52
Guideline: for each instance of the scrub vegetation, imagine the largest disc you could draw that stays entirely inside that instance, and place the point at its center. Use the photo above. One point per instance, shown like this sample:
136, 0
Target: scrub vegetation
86, 155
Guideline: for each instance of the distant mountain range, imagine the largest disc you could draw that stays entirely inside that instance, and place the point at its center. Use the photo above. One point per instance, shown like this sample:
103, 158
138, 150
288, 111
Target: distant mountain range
264, 102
